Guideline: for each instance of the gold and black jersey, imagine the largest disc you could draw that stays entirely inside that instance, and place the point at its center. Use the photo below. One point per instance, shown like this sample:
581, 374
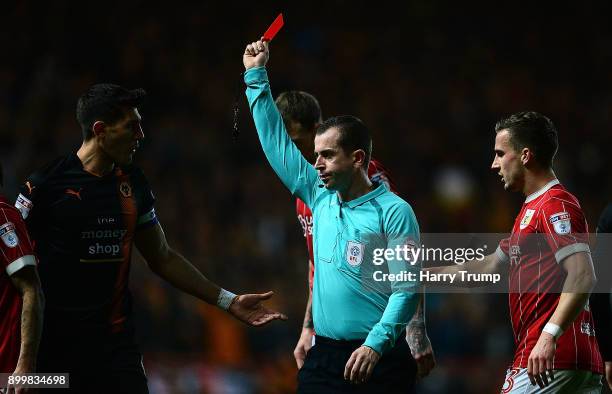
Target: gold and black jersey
83, 229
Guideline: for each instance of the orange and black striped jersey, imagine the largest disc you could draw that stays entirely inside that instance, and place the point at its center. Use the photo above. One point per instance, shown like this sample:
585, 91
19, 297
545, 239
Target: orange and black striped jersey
83, 227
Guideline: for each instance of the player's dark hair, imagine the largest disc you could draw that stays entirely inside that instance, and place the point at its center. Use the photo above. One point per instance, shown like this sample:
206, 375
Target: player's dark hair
299, 107
532, 130
354, 134
1, 176
105, 102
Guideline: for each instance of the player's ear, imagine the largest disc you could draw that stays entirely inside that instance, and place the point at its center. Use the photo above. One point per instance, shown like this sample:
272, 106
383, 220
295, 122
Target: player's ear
526, 156
359, 158
98, 127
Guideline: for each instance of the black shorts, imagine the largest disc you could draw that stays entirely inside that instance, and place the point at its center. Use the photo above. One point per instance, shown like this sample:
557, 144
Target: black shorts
110, 363
323, 369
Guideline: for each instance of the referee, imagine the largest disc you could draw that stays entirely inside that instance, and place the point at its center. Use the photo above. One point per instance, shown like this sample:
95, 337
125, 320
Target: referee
357, 322
85, 211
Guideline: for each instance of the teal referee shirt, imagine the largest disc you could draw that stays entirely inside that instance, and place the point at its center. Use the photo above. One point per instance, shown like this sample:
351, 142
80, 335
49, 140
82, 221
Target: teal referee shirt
348, 304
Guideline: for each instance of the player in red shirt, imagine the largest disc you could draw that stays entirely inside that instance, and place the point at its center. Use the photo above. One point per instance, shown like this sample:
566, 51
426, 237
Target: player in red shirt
21, 297
548, 260
301, 114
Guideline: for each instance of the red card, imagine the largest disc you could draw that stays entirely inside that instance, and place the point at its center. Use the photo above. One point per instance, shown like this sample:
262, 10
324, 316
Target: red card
274, 28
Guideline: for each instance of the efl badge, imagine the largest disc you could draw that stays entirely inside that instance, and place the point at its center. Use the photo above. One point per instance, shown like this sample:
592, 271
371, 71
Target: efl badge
23, 205
561, 223
354, 253
8, 235
527, 218
125, 189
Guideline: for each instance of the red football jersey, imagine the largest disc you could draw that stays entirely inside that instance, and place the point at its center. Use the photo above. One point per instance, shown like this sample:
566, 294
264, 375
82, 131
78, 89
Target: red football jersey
549, 228
377, 173
15, 253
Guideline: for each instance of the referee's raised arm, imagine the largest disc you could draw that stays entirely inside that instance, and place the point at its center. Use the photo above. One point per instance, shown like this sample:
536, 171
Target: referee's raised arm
296, 173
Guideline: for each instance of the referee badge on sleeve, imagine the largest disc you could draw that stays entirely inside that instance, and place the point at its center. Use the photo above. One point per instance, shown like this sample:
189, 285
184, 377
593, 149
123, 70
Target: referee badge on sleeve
8, 235
354, 253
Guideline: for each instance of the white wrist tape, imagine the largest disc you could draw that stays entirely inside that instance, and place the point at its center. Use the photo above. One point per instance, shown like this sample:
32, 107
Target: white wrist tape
553, 330
225, 299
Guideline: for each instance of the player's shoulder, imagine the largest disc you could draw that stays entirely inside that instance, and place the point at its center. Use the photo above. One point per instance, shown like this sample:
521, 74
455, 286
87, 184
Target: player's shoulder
392, 204
377, 172
50, 170
559, 197
133, 171
8, 212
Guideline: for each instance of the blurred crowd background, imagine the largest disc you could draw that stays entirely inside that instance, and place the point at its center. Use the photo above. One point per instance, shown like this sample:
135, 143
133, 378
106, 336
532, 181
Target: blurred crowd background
429, 78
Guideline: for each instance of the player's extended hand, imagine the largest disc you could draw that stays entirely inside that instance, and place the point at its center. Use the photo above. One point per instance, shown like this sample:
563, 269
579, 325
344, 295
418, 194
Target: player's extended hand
420, 347
303, 346
609, 373
256, 54
541, 359
360, 365
249, 309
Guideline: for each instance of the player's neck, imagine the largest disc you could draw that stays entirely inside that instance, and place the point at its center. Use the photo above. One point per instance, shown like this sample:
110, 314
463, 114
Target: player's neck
536, 181
360, 186
94, 161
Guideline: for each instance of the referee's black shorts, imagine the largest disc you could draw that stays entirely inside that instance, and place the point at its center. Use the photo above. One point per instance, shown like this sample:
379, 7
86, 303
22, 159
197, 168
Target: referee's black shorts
323, 369
109, 363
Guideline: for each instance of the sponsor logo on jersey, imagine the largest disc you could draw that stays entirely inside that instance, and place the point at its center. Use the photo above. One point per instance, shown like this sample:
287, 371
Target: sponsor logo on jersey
30, 187
527, 218
354, 253
8, 235
125, 189
23, 205
515, 254
306, 223
72, 192
561, 222
585, 328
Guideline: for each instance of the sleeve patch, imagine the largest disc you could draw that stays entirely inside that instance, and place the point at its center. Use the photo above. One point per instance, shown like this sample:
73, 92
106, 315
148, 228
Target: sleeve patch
23, 205
8, 235
561, 222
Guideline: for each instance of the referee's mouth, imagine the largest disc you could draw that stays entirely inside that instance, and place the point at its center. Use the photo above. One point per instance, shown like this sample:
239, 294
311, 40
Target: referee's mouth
325, 179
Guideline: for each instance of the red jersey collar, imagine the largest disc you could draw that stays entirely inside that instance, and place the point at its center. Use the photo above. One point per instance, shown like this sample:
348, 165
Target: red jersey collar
543, 190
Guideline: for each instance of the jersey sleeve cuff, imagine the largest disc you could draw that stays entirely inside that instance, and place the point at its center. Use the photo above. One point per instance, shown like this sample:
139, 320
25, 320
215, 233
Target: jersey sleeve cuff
20, 263
147, 220
569, 250
503, 257
256, 74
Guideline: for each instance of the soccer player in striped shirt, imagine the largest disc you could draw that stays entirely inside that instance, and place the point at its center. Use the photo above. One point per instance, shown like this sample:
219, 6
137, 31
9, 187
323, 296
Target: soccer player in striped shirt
21, 297
547, 253
302, 115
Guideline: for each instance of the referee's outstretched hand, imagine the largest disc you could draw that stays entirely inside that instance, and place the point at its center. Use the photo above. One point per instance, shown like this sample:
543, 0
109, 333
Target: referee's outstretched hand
256, 54
249, 309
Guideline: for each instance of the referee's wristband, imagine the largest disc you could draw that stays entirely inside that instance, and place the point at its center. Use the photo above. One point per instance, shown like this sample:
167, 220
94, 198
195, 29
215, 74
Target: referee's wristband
553, 330
225, 298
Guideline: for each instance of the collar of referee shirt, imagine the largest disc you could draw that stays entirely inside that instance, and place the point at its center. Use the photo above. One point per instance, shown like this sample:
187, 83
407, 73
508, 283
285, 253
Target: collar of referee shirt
380, 189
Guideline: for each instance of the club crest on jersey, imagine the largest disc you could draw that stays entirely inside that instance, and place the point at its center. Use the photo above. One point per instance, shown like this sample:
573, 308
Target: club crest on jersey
354, 253
8, 235
125, 189
527, 218
561, 222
